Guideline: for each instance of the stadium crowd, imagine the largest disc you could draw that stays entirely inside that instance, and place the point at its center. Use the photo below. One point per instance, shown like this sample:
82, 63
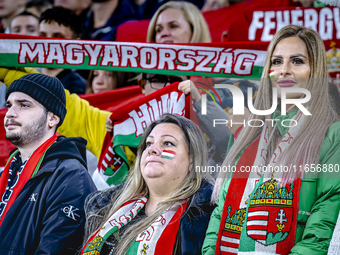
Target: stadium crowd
77, 180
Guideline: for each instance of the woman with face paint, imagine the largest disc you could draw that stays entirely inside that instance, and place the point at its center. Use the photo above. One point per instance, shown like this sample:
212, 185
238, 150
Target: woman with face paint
282, 196
164, 206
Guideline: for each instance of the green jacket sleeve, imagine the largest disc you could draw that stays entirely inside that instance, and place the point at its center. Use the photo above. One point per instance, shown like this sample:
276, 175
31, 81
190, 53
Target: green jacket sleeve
214, 223
324, 213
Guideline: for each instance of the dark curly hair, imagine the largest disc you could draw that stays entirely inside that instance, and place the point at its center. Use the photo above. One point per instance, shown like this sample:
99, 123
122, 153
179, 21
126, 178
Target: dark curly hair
63, 17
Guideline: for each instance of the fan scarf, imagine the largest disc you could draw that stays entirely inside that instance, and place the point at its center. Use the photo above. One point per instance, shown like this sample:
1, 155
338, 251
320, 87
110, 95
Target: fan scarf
129, 126
210, 59
158, 239
9, 188
263, 217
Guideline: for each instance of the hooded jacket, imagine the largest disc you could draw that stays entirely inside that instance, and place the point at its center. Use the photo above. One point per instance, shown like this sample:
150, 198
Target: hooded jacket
47, 217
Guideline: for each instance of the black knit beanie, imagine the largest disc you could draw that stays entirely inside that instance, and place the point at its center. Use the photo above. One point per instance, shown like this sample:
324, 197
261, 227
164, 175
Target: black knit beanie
48, 91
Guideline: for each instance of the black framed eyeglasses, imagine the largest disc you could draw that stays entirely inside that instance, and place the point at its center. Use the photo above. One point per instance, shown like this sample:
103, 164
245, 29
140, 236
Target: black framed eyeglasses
160, 81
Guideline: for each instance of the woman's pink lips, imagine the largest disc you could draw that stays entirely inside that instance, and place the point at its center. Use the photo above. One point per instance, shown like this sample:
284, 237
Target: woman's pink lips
286, 83
166, 40
153, 161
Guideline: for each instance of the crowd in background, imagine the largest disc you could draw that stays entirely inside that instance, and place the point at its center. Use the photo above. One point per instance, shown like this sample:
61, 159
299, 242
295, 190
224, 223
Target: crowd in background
95, 20
170, 22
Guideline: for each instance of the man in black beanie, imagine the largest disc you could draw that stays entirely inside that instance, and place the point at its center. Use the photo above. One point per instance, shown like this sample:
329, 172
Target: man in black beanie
45, 181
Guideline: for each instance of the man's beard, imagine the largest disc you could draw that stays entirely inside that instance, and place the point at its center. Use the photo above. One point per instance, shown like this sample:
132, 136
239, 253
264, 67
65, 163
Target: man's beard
29, 133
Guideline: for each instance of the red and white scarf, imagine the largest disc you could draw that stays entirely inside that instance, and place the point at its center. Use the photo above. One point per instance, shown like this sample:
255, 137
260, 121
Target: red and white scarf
259, 213
129, 126
158, 239
26, 171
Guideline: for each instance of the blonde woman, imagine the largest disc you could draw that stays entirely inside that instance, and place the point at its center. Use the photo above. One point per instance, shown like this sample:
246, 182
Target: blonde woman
182, 22
278, 207
163, 207
178, 22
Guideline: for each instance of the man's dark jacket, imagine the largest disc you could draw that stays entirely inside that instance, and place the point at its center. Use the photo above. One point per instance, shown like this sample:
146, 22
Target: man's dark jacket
124, 11
47, 216
72, 81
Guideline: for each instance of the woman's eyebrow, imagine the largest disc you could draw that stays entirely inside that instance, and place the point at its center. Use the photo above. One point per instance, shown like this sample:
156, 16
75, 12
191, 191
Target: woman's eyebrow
298, 55
170, 136
150, 136
173, 21
276, 56
292, 56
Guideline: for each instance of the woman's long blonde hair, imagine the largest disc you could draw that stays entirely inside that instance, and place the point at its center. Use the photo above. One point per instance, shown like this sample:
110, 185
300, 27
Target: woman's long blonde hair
199, 27
135, 186
305, 148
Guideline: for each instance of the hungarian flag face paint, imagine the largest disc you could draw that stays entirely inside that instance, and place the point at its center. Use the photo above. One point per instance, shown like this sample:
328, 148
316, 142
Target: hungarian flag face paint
271, 74
168, 154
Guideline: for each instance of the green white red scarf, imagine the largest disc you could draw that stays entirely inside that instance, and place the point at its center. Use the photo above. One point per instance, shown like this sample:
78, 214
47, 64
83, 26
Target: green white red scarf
129, 126
192, 59
158, 239
26, 171
263, 217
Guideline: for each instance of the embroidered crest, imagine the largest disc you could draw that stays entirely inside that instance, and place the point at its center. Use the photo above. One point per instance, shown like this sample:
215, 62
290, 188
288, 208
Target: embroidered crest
270, 213
111, 162
232, 230
94, 246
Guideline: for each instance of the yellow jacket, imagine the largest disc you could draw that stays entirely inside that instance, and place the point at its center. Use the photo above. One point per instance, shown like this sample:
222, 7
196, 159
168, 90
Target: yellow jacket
81, 119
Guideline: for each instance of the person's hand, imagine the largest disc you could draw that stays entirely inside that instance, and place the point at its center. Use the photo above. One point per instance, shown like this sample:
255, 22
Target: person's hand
237, 119
109, 124
214, 5
189, 87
